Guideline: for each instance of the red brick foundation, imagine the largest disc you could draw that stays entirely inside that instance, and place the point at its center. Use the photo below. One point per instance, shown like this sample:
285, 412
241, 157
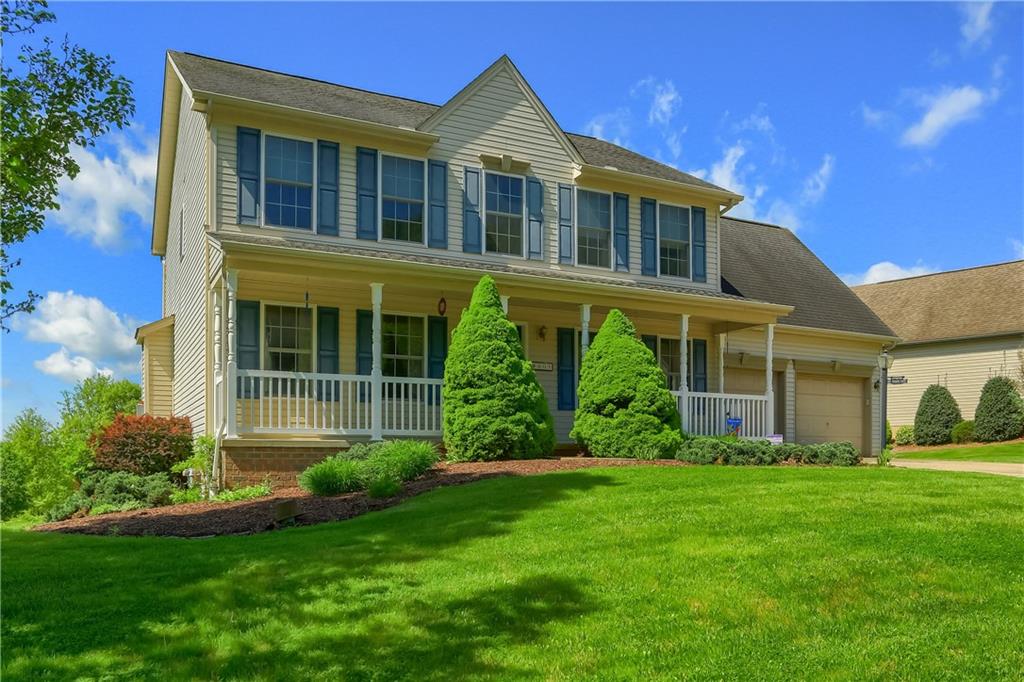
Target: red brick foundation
249, 465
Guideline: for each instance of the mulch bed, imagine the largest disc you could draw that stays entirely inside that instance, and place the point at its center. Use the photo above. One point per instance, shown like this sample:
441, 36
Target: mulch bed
206, 519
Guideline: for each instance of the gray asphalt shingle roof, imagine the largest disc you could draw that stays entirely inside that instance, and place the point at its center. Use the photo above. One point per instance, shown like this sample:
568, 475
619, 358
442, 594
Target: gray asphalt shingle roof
205, 74
769, 263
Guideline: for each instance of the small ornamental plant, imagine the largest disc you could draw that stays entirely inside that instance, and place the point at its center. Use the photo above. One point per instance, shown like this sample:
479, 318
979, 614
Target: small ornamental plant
142, 444
1000, 411
937, 414
625, 407
494, 408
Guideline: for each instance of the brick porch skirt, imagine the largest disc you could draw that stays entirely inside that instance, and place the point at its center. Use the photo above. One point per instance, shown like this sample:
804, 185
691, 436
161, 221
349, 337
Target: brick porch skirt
281, 465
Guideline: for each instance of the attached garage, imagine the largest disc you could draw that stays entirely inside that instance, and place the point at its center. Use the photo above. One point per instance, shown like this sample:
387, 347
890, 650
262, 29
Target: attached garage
830, 408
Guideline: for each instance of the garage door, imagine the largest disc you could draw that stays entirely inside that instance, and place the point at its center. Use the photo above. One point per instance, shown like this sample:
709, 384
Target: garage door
829, 408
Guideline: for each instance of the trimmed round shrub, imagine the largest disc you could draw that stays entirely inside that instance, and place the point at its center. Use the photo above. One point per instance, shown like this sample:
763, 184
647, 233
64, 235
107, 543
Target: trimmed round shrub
332, 476
963, 432
1000, 412
625, 408
716, 450
937, 414
143, 444
493, 406
905, 435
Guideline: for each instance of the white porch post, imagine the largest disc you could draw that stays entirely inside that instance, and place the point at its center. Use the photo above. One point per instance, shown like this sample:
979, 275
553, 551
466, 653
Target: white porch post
789, 423
504, 304
721, 363
585, 329
376, 377
232, 380
684, 385
218, 377
769, 390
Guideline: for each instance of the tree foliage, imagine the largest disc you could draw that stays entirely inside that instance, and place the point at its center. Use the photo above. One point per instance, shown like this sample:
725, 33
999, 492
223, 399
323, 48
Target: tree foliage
59, 97
1000, 411
142, 444
493, 406
937, 414
32, 475
86, 410
625, 408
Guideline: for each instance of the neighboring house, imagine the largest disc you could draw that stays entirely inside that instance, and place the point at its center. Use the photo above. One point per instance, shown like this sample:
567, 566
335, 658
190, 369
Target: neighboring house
319, 242
957, 328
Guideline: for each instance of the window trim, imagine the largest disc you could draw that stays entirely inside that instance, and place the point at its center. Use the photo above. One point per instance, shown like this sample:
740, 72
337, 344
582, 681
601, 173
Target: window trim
689, 353
263, 331
576, 229
426, 339
313, 187
483, 215
380, 197
689, 244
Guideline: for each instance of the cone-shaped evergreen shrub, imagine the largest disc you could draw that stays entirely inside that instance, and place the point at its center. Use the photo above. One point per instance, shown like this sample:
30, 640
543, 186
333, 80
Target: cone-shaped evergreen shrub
493, 406
625, 408
937, 414
1000, 412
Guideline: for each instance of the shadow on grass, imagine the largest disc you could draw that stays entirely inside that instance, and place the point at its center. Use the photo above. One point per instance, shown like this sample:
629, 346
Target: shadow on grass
368, 598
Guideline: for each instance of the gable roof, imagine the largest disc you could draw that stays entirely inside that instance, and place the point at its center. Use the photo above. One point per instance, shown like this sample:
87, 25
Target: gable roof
210, 76
770, 263
974, 302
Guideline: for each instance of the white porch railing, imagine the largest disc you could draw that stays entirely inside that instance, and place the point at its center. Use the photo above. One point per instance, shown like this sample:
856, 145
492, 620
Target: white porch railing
706, 414
316, 403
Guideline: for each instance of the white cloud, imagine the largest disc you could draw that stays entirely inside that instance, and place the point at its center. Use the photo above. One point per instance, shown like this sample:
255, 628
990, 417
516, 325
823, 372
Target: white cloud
1018, 247
943, 112
98, 337
71, 369
725, 172
976, 28
885, 271
610, 127
816, 185
758, 121
109, 188
665, 99
873, 117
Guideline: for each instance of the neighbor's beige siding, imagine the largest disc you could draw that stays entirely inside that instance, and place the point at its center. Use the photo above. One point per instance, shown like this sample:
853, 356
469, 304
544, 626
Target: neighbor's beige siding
158, 373
961, 366
185, 268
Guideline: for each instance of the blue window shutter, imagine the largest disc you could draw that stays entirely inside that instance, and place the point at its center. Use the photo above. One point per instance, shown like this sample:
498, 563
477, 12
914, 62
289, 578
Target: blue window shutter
327, 188
471, 212
248, 171
648, 237
534, 219
566, 369
437, 346
698, 365
700, 251
437, 192
364, 341
621, 213
565, 254
651, 341
327, 349
366, 193
247, 343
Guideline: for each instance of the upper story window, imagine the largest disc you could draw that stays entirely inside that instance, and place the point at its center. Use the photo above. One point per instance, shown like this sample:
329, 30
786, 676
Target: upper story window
288, 338
594, 243
402, 189
674, 240
288, 182
403, 346
504, 209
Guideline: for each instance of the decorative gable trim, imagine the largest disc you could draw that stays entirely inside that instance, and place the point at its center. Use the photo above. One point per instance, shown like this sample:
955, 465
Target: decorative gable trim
503, 65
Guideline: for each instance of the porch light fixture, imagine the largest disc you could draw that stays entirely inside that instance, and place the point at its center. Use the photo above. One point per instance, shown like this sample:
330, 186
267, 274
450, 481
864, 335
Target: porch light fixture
882, 385
542, 332
442, 306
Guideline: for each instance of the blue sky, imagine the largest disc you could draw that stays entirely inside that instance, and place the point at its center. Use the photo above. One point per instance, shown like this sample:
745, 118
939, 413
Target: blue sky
890, 136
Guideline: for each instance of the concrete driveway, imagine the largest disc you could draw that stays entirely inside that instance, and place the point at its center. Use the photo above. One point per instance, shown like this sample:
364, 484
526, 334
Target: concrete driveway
1001, 468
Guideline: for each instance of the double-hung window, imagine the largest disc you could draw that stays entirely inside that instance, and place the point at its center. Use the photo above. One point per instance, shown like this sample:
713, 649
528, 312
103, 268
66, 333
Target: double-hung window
288, 182
288, 340
504, 209
594, 242
674, 240
668, 357
404, 346
402, 189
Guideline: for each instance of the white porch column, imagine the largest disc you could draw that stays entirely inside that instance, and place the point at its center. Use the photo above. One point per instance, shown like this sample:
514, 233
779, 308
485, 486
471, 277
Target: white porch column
684, 384
721, 363
789, 419
218, 377
585, 329
769, 390
376, 376
504, 304
232, 376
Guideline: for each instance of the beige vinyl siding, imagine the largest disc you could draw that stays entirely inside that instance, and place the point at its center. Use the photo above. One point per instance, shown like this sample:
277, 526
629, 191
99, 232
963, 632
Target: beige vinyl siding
184, 289
499, 118
961, 366
158, 373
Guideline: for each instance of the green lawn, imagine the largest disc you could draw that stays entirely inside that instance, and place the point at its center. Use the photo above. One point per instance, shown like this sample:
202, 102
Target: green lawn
994, 452
714, 572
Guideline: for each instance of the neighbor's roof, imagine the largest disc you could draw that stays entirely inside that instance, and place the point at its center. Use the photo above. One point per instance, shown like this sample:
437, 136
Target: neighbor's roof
769, 263
982, 301
216, 77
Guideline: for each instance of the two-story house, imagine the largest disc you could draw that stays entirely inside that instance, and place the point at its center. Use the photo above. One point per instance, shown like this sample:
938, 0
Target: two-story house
319, 242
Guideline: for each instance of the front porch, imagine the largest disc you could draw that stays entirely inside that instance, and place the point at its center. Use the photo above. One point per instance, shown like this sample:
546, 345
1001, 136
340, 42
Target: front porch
357, 358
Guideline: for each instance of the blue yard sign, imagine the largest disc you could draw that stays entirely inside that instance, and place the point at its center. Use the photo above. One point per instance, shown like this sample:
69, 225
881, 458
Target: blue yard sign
734, 424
